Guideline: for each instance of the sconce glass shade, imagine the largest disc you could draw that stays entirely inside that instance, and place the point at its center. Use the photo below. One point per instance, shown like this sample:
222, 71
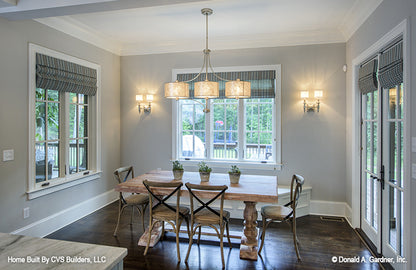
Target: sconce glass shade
237, 89
318, 93
304, 94
149, 98
139, 97
176, 90
206, 89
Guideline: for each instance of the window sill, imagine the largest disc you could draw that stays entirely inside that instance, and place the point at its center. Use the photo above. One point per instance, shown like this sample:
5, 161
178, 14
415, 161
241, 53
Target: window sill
241, 164
62, 184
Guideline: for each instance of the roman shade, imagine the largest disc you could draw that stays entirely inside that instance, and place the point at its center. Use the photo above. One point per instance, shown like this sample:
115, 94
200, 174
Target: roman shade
262, 82
390, 71
57, 74
367, 77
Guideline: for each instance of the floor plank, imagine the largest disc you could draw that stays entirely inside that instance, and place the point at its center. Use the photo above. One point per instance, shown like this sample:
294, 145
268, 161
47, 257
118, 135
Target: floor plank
320, 240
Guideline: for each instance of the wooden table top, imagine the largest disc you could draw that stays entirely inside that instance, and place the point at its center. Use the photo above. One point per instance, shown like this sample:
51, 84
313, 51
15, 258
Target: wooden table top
252, 188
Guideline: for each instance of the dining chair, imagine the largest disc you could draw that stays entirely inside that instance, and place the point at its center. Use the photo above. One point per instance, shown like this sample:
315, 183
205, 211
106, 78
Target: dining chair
138, 201
164, 212
285, 213
204, 215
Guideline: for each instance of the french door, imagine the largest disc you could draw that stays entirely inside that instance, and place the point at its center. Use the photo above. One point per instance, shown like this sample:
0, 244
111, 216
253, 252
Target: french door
382, 170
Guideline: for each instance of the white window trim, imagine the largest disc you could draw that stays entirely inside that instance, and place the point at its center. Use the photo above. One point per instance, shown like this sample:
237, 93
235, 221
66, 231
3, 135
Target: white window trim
277, 164
94, 128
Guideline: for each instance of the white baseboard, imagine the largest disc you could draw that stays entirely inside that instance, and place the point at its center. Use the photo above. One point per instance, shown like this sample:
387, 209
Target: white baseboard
65, 217
330, 208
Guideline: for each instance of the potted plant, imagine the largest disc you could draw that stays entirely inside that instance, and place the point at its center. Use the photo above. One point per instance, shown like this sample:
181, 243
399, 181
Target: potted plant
177, 169
204, 171
234, 174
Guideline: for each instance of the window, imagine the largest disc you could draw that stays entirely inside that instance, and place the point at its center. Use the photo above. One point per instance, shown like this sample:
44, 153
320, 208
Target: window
64, 121
244, 131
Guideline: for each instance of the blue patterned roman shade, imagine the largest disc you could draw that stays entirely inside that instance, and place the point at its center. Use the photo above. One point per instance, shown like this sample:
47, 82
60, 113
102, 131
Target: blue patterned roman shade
390, 71
56, 74
262, 81
367, 77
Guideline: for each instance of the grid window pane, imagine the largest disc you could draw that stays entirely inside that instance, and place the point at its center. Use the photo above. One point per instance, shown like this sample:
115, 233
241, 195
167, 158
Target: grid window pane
40, 154
83, 151
53, 121
53, 160
40, 94
73, 156
83, 128
40, 121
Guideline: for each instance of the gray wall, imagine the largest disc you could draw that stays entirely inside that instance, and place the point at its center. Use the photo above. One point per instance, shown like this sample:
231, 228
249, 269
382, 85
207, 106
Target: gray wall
389, 14
14, 40
313, 144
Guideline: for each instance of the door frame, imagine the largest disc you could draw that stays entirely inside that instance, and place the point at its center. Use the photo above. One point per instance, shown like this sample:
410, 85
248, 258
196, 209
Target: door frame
355, 122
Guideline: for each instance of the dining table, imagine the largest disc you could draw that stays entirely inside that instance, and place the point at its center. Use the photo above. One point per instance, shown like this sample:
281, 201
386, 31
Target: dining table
251, 190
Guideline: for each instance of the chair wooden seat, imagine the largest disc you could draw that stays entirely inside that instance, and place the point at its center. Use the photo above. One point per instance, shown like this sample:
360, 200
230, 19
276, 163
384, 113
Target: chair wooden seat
205, 216
137, 199
276, 212
163, 212
285, 213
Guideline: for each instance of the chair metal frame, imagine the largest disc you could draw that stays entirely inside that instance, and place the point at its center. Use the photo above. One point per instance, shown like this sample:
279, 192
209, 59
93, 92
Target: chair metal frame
223, 221
122, 202
295, 191
161, 201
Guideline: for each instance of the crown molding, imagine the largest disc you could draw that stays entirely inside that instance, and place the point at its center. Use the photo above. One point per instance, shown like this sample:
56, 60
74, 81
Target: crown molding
240, 42
81, 31
357, 15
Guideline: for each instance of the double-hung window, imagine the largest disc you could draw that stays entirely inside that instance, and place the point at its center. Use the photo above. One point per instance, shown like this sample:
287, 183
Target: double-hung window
239, 131
64, 126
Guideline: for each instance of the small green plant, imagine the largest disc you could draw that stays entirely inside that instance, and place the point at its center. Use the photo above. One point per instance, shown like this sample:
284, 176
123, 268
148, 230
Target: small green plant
177, 166
203, 167
234, 169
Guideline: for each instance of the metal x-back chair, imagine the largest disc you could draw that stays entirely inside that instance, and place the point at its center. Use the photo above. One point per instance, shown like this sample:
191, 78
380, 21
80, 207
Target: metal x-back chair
138, 201
285, 213
163, 212
207, 216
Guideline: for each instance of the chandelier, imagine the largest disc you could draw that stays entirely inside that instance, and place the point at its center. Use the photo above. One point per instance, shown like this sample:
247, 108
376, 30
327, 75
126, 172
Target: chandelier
207, 89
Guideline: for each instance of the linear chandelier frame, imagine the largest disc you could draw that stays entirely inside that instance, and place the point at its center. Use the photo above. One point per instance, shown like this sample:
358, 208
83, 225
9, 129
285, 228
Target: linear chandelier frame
207, 89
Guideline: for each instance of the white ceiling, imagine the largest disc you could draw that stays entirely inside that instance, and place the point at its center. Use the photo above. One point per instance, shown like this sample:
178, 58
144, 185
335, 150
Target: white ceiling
161, 26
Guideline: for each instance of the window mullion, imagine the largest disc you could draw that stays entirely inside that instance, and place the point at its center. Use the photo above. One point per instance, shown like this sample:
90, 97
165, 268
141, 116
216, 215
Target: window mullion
241, 129
208, 130
64, 135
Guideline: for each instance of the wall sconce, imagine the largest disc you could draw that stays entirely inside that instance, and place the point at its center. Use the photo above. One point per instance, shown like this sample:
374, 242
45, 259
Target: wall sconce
310, 106
146, 109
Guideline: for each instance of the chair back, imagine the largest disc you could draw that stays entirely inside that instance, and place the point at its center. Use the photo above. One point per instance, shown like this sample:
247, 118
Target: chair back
193, 188
295, 191
161, 192
123, 173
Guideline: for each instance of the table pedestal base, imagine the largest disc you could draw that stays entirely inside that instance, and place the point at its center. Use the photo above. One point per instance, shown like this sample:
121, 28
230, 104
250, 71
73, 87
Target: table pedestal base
248, 251
156, 234
249, 242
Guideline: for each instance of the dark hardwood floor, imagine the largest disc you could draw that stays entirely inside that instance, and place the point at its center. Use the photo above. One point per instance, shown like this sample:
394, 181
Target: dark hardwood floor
320, 240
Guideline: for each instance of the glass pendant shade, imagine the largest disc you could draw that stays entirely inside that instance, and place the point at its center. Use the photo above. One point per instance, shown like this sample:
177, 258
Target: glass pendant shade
237, 89
206, 89
176, 90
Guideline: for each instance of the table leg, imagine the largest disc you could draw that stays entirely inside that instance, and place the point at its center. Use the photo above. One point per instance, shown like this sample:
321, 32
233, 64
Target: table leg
249, 242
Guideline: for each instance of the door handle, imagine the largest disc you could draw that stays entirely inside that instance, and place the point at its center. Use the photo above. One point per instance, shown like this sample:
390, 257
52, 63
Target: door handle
381, 179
